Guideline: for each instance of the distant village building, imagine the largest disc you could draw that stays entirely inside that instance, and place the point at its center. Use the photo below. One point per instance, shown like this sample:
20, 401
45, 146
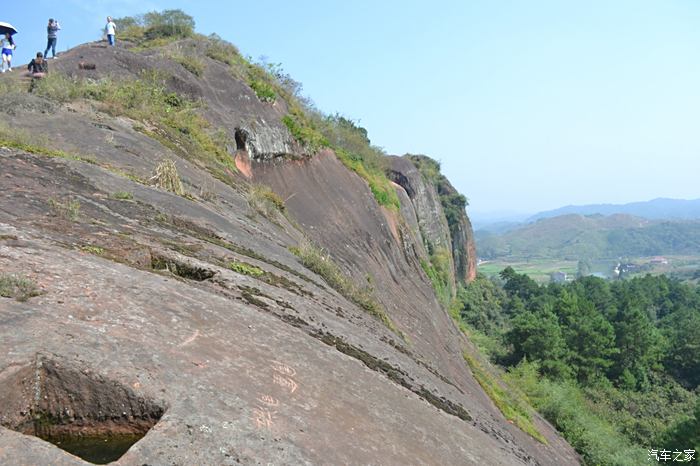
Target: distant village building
659, 260
621, 269
558, 277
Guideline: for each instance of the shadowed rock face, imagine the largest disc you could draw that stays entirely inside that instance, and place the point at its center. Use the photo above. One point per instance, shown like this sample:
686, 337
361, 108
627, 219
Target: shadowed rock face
197, 302
430, 226
463, 245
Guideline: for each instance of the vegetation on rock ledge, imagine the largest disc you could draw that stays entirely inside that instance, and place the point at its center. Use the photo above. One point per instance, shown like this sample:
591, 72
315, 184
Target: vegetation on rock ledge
322, 264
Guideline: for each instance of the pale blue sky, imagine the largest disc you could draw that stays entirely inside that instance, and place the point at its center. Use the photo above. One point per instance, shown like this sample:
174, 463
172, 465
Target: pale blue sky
528, 104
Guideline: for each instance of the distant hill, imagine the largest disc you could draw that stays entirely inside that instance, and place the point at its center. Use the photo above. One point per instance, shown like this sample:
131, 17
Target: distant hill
574, 237
658, 209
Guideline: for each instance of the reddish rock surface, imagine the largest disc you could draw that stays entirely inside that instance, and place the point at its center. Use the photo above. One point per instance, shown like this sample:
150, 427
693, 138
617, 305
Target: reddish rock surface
271, 367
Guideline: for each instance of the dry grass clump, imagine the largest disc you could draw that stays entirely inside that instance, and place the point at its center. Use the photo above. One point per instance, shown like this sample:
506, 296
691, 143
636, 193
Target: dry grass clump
166, 177
265, 201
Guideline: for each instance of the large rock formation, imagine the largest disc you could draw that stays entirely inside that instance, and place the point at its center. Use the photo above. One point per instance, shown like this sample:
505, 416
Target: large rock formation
187, 318
462, 236
430, 194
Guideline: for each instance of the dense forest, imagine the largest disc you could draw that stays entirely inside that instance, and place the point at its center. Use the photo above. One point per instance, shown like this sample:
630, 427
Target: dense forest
615, 366
573, 237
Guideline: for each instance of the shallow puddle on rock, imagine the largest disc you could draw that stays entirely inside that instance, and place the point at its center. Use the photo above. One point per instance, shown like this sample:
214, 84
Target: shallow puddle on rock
97, 450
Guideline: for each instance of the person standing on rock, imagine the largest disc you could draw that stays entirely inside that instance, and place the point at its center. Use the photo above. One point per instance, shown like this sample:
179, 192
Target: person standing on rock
52, 34
8, 45
110, 30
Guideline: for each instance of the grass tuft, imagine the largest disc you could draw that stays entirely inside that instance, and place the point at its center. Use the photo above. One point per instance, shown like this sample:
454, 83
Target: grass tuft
91, 249
246, 269
265, 201
123, 196
191, 63
17, 287
222, 51
68, 209
166, 177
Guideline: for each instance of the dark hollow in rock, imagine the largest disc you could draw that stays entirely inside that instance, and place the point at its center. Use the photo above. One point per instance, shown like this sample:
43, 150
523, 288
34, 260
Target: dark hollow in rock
241, 137
80, 412
181, 269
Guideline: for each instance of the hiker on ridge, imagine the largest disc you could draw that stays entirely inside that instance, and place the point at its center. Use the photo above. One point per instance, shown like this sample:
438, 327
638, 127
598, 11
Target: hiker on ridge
38, 67
52, 34
8, 45
110, 30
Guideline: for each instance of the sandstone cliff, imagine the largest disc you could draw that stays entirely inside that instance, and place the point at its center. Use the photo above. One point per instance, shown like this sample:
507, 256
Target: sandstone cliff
191, 316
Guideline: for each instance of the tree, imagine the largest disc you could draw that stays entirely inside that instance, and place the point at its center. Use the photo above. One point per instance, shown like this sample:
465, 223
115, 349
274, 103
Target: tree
519, 285
168, 23
537, 336
638, 344
685, 435
682, 329
589, 337
154, 25
481, 305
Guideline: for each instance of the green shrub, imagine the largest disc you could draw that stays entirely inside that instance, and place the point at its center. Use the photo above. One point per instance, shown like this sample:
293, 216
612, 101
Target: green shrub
264, 91
565, 406
304, 131
17, 287
155, 28
438, 271
130, 28
168, 23
353, 148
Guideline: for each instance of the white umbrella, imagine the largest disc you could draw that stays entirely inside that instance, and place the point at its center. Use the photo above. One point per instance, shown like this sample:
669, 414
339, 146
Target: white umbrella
7, 28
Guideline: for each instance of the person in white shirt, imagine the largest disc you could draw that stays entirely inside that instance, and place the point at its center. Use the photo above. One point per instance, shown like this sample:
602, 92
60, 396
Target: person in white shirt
8, 45
110, 30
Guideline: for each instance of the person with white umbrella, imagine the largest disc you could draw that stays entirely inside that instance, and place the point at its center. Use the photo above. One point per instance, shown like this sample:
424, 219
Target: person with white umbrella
8, 45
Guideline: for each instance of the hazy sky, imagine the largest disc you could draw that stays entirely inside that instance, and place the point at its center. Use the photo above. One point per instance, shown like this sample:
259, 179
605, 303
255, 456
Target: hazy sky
528, 104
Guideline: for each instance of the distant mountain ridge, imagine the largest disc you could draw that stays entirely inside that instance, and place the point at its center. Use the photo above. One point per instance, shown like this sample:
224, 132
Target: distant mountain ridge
575, 236
655, 209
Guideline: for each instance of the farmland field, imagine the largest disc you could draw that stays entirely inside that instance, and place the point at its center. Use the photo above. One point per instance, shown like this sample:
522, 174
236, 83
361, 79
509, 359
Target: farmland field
540, 270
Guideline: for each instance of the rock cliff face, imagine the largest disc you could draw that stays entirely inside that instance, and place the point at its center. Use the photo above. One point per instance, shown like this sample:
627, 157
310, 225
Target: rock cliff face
462, 235
187, 320
438, 229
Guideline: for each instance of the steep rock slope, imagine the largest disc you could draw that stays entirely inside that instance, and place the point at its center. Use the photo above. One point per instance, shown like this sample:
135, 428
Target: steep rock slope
196, 303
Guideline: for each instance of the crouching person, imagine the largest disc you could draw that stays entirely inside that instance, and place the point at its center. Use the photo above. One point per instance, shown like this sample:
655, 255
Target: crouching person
38, 67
